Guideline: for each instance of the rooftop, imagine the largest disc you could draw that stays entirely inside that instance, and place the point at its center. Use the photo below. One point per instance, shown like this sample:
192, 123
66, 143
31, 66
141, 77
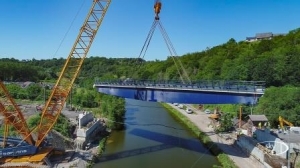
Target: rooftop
264, 35
258, 118
292, 137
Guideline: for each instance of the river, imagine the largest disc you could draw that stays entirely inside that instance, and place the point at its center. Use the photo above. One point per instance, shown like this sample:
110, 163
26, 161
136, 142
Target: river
153, 138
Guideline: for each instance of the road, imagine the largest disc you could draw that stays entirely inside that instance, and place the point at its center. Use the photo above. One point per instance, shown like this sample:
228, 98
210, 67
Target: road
200, 119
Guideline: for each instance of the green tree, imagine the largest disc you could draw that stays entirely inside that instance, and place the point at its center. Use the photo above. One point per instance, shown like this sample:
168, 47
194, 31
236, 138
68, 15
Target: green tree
14, 90
33, 90
225, 122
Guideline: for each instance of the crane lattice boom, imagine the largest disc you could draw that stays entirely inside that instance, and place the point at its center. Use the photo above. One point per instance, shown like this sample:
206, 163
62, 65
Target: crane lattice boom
13, 115
62, 88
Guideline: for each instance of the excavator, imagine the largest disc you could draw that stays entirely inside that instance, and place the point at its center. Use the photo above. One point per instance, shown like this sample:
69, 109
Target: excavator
33, 146
283, 121
216, 115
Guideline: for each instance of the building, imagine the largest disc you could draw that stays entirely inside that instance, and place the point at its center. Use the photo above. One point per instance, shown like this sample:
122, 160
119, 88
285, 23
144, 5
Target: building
254, 122
263, 36
258, 120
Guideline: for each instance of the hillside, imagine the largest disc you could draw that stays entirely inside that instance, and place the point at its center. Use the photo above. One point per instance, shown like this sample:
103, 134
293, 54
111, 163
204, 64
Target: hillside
275, 61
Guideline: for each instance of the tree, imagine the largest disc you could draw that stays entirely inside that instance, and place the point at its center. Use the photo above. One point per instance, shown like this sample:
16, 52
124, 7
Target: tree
225, 122
33, 91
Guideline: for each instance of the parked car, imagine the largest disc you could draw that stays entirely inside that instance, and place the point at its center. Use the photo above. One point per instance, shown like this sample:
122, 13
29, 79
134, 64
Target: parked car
207, 111
180, 106
189, 111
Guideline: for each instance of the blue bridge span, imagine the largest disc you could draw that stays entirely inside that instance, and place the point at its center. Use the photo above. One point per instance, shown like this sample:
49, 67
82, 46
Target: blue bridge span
198, 92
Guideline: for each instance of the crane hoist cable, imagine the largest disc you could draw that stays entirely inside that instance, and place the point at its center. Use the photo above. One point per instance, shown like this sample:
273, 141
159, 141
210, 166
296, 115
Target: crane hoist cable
63, 39
183, 75
147, 41
146, 45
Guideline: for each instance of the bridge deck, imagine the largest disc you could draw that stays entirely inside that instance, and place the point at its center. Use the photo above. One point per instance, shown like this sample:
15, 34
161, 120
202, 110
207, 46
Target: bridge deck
204, 85
198, 92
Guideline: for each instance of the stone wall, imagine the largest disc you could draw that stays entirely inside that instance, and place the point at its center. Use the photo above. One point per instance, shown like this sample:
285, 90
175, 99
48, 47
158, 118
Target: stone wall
84, 118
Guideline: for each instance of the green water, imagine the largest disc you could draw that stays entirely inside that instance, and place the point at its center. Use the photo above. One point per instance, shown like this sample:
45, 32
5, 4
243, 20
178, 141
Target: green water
154, 139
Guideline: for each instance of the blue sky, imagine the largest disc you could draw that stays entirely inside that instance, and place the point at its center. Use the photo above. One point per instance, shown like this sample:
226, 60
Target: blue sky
35, 28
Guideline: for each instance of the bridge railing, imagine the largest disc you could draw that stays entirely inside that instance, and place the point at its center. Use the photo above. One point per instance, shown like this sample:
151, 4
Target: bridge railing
231, 85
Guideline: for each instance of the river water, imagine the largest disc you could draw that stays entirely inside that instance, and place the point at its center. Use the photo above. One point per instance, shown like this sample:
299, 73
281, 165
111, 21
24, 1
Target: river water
154, 139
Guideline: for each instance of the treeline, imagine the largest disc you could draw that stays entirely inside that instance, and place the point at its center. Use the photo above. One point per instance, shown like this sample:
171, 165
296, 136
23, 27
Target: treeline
273, 61
14, 70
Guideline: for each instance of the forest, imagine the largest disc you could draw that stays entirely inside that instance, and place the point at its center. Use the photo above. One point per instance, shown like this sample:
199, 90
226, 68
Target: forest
274, 61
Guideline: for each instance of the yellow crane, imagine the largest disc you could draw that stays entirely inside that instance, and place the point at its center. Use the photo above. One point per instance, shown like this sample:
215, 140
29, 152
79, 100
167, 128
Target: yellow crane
58, 96
71, 68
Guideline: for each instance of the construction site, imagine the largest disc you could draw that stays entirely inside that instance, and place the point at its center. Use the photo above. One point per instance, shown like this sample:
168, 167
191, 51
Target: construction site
42, 146
64, 151
274, 148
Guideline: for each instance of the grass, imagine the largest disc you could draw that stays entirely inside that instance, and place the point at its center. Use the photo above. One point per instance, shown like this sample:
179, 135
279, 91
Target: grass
102, 145
224, 159
101, 149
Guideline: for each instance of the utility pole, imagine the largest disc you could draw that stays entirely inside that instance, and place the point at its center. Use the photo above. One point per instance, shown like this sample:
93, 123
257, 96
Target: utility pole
71, 99
240, 119
44, 94
288, 156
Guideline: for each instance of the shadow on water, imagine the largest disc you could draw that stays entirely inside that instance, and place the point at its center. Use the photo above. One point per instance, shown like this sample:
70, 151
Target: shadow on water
189, 144
168, 141
131, 110
134, 152
129, 118
152, 138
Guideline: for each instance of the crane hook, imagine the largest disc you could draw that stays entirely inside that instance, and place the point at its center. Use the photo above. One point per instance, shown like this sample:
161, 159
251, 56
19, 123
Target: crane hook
157, 7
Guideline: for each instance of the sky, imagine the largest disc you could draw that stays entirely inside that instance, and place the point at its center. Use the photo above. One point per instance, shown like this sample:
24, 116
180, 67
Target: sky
47, 29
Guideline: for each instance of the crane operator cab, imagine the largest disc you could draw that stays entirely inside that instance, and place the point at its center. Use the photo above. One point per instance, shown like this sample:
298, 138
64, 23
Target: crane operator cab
157, 7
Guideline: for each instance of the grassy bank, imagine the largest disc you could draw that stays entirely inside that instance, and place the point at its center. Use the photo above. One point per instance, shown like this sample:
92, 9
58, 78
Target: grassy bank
102, 145
101, 149
225, 161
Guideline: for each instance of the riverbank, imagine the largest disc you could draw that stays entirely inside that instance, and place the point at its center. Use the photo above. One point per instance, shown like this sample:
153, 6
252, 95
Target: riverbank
229, 155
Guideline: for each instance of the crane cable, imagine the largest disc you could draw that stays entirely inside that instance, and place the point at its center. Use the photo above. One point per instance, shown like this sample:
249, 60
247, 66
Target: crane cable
65, 35
174, 54
148, 39
169, 44
145, 46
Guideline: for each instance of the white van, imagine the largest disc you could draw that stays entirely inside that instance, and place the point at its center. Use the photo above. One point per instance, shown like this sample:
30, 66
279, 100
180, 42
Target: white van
180, 106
